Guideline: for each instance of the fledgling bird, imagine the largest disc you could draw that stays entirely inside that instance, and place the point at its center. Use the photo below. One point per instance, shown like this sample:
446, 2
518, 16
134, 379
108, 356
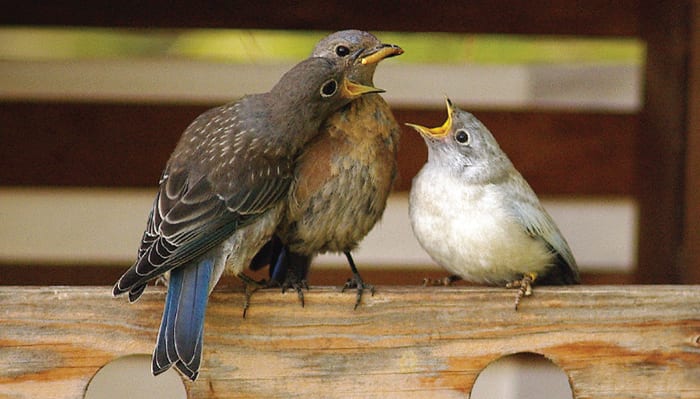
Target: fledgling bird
221, 197
344, 176
477, 217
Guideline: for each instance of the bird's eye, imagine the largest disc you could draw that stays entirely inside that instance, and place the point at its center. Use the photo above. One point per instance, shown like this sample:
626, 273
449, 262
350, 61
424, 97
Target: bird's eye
342, 51
329, 88
462, 136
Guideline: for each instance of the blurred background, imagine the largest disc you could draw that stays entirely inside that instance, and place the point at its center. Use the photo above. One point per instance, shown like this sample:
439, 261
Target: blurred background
95, 112
591, 104
595, 102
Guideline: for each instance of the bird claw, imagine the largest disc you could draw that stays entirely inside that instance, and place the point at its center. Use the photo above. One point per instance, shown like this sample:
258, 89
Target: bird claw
292, 281
249, 282
445, 281
356, 282
524, 287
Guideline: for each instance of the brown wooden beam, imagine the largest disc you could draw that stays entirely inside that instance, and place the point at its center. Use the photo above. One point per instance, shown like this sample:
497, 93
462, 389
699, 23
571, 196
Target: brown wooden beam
611, 342
562, 17
661, 142
691, 231
559, 153
127, 145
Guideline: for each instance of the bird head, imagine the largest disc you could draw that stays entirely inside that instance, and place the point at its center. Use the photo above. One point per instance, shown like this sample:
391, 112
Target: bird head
311, 91
464, 144
318, 79
363, 49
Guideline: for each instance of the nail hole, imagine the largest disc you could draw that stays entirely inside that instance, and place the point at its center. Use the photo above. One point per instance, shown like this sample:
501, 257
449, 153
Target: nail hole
522, 376
130, 377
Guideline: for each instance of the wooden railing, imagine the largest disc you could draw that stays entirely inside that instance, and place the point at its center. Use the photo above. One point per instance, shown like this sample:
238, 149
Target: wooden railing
404, 342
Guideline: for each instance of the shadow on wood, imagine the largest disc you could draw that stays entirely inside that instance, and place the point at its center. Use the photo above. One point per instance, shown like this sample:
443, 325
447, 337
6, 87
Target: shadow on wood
407, 342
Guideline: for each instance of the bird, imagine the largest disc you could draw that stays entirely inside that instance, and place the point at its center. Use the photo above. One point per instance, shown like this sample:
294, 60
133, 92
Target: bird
220, 197
477, 217
343, 177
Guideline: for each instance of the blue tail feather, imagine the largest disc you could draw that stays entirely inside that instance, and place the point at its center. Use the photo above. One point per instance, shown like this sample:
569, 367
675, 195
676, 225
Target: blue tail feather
181, 331
278, 268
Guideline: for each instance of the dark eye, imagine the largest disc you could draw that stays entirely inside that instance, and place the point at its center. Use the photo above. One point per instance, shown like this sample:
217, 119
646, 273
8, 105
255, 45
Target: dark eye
462, 136
329, 88
342, 51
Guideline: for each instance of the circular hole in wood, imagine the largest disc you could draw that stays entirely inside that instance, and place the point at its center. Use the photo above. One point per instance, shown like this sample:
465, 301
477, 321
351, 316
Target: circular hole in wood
130, 377
522, 376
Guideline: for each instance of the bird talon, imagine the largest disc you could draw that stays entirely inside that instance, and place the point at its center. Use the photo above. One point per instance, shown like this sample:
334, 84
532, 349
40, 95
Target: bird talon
524, 287
293, 281
248, 294
249, 282
356, 282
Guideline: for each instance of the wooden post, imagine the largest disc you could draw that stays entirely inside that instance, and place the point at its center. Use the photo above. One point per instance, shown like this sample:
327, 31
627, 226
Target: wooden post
691, 236
407, 342
661, 142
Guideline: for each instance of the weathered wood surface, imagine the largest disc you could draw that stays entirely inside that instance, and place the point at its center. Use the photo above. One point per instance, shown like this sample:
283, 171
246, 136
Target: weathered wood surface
405, 342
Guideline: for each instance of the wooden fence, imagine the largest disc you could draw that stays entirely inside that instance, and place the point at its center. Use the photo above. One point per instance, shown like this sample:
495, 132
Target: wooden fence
404, 342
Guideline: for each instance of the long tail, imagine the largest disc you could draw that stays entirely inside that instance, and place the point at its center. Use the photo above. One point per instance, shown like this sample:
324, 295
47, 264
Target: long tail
182, 328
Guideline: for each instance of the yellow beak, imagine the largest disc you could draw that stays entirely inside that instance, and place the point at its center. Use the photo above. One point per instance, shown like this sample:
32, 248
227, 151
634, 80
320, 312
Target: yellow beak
440, 131
381, 52
351, 89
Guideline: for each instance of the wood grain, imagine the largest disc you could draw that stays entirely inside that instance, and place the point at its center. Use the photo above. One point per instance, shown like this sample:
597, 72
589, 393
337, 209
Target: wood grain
404, 342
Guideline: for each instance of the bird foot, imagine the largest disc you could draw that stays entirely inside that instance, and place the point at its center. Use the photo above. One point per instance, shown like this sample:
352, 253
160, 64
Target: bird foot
293, 281
524, 287
251, 286
356, 282
445, 281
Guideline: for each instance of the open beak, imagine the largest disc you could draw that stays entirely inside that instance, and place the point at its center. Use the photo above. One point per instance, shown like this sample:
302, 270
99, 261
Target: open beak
440, 131
353, 90
380, 52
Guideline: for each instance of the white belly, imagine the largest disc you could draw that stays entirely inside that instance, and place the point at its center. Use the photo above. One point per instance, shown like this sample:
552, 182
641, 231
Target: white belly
468, 231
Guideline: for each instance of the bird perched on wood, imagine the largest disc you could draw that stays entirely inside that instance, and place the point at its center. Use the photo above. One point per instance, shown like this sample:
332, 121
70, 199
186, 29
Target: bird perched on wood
477, 217
221, 197
343, 177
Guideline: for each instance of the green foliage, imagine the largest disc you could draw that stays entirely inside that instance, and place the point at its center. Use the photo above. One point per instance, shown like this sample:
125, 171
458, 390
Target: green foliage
258, 46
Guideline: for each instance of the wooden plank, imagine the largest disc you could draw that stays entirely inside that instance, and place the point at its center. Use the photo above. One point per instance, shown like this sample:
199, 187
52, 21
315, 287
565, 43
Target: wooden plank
563, 17
661, 142
127, 145
81, 144
691, 232
613, 342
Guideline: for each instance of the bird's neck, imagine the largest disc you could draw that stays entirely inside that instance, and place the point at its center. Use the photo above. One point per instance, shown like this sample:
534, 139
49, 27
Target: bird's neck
306, 123
287, 123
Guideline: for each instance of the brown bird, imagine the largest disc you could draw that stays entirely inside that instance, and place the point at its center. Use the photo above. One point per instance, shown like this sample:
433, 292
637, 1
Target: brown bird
343, 177
222, 195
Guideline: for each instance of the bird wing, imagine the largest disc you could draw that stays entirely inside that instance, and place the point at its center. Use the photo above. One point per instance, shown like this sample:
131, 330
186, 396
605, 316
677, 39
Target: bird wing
539, 224
191, 215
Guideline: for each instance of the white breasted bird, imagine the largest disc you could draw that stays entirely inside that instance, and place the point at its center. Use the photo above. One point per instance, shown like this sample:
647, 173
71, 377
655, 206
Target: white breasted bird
477, 217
